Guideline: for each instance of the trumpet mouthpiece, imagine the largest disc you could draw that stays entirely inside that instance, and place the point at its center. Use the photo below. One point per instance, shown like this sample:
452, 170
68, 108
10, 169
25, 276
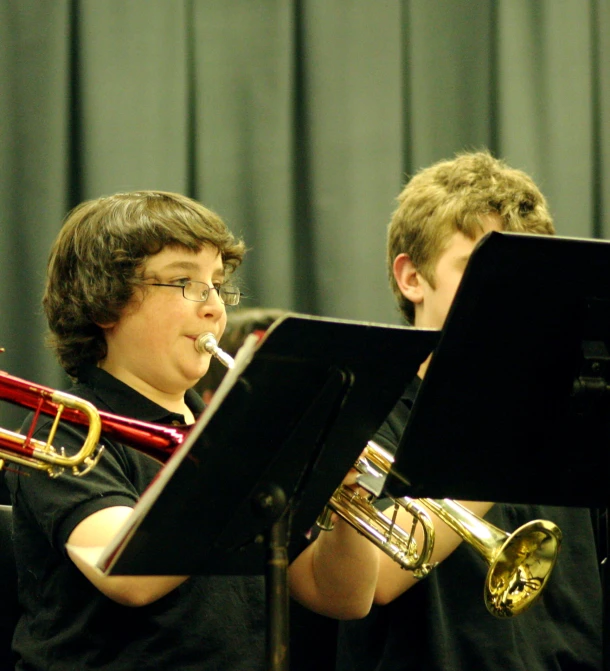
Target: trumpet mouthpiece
206, 343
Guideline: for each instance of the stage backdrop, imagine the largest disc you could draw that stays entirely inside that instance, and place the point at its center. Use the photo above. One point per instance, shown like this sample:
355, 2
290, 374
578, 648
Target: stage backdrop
297, 120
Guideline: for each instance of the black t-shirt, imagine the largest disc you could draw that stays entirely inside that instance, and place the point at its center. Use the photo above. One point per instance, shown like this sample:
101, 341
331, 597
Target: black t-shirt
211, 623
441, 623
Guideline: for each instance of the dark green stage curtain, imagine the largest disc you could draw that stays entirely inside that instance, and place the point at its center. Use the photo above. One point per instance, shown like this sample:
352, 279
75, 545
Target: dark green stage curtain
297, 120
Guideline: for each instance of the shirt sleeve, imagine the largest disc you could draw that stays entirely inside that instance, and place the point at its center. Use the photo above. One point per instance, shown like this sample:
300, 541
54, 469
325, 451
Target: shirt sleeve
390, 432
59, 504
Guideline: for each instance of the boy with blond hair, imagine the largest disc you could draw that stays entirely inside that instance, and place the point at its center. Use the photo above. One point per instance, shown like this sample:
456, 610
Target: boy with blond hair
440, 623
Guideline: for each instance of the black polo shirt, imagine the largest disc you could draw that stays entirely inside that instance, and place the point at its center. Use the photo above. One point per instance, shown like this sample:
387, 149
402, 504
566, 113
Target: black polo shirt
441, 623
211, 623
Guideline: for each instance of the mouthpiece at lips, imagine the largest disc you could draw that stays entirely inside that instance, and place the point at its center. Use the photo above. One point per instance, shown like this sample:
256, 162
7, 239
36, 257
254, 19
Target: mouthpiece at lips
206, 343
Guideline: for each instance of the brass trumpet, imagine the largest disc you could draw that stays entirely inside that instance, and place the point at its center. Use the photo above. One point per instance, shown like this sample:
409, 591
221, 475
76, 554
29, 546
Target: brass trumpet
519, 563
360, 511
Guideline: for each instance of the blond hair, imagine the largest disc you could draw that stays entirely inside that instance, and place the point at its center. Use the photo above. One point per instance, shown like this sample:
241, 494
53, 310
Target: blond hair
452, 196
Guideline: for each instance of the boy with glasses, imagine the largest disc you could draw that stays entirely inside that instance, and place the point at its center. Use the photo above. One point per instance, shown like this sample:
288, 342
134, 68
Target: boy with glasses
132, 280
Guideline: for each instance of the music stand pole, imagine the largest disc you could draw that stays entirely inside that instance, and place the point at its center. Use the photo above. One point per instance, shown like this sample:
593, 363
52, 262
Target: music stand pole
601, 527
271, 504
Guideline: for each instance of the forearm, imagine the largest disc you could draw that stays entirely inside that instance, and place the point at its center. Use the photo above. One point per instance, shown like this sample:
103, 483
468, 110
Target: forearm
336, 575
132, 591
95, 532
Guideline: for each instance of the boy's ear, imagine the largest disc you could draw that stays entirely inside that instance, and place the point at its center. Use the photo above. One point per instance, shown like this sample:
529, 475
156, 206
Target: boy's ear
407, 278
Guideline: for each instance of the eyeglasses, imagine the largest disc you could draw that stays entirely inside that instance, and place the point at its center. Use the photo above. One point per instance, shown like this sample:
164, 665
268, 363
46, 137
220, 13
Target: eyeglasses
200, 291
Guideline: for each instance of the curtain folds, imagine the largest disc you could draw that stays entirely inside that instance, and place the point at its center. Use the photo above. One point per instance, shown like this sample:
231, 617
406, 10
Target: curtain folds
296, 120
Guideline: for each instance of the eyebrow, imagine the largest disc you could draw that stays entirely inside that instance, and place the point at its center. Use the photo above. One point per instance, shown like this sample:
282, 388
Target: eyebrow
188, 265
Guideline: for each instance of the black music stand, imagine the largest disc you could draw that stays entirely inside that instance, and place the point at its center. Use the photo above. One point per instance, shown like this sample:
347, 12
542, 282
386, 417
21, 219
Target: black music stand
264, 464
526, 344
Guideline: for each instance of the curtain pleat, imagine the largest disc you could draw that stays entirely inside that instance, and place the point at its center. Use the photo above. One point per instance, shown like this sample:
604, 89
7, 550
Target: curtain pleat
298, 121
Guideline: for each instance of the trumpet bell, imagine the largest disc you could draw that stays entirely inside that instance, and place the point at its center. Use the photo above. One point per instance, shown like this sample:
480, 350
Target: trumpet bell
521, 568
519, 563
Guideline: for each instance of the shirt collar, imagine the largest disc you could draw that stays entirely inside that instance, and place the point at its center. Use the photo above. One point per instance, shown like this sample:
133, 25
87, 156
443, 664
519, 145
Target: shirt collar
119, 398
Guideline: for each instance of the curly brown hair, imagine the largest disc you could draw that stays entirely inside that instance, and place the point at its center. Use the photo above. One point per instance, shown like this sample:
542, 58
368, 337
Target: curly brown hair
97, 259
451, 196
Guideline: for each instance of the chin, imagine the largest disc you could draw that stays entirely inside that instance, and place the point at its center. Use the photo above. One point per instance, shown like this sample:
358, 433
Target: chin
197, 375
